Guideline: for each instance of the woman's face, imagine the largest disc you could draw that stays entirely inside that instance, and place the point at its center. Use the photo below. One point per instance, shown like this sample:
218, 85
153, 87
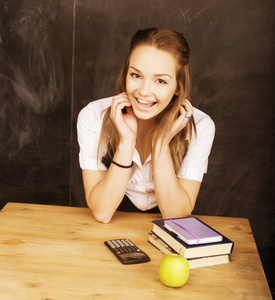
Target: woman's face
151, 81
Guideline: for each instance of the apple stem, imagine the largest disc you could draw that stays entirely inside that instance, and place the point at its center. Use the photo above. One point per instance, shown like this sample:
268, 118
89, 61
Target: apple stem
179, 252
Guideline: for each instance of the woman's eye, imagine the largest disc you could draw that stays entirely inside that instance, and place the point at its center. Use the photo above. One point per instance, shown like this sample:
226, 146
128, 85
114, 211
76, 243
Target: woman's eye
135, 75
161, 81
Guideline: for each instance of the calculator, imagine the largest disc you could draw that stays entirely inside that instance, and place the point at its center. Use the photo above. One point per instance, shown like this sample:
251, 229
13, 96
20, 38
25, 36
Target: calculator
127, 252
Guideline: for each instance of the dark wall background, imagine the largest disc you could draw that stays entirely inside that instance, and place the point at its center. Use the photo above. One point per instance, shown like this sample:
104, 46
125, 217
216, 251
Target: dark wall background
35, 101
58, 55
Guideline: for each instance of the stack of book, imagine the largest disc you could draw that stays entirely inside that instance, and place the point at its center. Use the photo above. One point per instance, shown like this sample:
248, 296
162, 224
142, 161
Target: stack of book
199, 243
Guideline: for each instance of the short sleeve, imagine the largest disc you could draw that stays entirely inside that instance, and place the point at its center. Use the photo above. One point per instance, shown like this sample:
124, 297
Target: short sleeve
89, 124
195, 162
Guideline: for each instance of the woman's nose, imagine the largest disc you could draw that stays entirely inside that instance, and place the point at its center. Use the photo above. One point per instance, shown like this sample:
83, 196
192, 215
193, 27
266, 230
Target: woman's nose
145, 88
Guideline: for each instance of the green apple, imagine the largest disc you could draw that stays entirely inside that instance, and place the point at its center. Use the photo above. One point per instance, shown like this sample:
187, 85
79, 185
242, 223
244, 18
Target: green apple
173, 270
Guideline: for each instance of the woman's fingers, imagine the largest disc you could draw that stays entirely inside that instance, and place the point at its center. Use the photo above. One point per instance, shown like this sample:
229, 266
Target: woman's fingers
124, 121
188, 108
118, 103
186, 111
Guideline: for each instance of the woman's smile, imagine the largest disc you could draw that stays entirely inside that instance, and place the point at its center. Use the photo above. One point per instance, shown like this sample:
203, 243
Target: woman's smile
145, 105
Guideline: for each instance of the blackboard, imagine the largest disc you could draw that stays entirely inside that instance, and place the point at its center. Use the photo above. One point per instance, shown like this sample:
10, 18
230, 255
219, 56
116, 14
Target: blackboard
35, 102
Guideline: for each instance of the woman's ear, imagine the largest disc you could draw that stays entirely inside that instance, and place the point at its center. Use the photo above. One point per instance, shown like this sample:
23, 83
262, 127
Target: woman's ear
177, 91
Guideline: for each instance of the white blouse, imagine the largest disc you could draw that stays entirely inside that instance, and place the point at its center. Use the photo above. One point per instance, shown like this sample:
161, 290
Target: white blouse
140, 189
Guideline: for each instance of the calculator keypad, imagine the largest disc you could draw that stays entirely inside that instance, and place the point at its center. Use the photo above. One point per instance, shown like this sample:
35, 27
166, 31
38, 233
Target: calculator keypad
126, 251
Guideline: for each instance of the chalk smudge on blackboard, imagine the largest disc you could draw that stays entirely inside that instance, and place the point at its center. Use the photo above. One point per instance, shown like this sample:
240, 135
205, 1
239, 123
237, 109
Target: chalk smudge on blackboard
190, 15
31, 75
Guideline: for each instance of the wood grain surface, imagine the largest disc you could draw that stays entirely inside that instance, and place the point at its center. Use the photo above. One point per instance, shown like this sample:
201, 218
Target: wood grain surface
56, 252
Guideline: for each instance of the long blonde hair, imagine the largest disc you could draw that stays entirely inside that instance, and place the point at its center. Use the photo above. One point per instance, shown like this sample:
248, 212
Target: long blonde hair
174, 43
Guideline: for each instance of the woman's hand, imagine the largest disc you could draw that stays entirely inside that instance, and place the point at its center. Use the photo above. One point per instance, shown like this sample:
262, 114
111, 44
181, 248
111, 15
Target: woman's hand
125, 123
186, 111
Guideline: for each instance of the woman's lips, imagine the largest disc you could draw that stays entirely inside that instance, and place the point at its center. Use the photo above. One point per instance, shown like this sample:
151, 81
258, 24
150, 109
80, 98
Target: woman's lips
144, 105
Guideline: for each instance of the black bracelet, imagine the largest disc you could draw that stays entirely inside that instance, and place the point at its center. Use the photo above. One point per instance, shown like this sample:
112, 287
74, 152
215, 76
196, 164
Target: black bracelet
121, 166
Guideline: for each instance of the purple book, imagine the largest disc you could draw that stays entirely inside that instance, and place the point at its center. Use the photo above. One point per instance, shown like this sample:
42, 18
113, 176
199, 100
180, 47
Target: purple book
192, 231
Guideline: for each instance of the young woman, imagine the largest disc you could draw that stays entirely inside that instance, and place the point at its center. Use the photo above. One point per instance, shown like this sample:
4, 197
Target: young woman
146, 149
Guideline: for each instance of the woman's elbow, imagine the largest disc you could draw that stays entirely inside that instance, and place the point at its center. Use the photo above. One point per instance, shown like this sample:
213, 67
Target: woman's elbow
177, 213
102, 217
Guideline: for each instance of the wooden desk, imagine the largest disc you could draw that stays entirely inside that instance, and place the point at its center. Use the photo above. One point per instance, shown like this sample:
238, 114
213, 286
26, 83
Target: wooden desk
51, 252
